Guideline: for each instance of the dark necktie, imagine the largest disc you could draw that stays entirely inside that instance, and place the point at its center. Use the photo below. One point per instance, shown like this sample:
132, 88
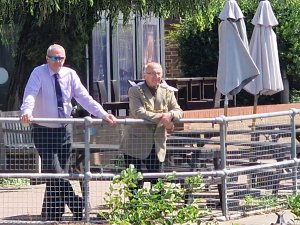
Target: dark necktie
60, 106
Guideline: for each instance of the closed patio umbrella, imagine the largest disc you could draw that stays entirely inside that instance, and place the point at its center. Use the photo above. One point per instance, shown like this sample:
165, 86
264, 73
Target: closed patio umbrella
236, 67
263, 49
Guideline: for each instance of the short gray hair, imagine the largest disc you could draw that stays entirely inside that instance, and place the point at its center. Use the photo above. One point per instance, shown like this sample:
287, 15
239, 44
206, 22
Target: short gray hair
55, 46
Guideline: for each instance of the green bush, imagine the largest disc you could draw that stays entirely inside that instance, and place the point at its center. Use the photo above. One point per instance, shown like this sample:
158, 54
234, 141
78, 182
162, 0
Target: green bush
264, 202
294, 96
14, 182
294, 204
197, 48
160, 204
197, 38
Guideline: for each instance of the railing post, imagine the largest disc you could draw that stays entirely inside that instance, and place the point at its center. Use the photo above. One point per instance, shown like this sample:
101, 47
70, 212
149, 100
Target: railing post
294, 148
222, 122
87, 169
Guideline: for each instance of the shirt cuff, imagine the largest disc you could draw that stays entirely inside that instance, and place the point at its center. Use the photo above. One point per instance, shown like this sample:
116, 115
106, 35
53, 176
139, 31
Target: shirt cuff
26, 111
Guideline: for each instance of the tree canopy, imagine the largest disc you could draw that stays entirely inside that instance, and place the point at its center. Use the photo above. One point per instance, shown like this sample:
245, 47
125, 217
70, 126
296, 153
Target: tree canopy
32, 25
193, 35
198, 43
29, 27
14, 11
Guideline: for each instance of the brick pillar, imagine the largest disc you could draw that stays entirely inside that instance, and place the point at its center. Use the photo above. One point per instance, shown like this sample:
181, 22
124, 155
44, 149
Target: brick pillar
171, 55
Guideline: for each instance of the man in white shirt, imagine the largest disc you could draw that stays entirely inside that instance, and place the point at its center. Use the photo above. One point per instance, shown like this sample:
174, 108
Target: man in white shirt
48, 94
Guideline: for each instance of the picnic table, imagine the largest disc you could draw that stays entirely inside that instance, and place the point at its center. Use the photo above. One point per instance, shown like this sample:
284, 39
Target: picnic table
253, 150
273, 132
271, 135
183, 140
200, 142
281, 126
79, 151
193, 150
205, 133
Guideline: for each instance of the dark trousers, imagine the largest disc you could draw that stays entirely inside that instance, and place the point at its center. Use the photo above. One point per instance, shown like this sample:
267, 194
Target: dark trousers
151, 163
54, 147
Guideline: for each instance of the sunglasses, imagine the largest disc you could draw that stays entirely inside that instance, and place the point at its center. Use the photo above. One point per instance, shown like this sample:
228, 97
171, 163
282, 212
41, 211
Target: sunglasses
56, 58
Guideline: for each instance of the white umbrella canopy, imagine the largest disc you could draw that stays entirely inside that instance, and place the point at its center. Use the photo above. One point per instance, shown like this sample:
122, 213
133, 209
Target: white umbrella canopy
236, 67
264, 51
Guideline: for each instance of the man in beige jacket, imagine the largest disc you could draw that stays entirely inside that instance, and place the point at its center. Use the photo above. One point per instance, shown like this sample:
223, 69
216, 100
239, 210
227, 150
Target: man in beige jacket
145, 144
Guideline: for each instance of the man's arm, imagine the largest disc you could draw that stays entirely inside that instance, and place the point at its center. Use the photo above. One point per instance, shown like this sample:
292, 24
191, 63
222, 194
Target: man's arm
83, 97
174, 112
174, 108
31, 90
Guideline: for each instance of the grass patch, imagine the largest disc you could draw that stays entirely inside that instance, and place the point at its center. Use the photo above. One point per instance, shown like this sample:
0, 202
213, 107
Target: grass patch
14, 182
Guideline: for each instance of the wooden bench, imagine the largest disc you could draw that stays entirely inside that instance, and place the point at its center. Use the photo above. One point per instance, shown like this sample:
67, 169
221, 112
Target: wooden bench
18, 153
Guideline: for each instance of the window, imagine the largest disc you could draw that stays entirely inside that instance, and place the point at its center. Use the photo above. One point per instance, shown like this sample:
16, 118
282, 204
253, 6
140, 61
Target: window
122, 55
100, 42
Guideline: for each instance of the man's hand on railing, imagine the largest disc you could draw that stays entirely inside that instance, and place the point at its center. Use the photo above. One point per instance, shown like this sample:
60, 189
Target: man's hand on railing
166, 120
110, 118
26, 119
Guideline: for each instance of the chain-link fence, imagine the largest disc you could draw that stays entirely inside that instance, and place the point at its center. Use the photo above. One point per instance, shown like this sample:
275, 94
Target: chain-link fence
61, 169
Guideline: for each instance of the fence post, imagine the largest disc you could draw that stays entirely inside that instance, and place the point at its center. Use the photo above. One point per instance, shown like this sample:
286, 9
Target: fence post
294, 148
222, 122
87, 170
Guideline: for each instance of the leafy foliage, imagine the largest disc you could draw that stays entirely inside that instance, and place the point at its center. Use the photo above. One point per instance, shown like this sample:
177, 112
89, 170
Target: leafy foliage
294, 204
198, 48
29, 27
159, 204
198, 37
14, 11
294, 96
265, 202
14, 182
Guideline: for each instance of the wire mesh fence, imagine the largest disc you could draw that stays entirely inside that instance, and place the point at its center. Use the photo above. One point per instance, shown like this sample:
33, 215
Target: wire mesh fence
65, 172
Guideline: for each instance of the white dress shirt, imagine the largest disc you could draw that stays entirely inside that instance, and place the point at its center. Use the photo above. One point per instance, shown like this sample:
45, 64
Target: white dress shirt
40, 96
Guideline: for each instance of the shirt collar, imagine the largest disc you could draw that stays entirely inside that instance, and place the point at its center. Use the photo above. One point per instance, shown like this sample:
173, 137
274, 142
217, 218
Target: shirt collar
52, 73
152, 90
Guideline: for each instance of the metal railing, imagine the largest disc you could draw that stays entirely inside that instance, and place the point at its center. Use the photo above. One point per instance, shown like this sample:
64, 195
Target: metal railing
249, 163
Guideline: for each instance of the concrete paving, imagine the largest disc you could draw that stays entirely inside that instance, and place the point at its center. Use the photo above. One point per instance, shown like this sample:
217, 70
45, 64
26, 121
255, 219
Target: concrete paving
26, 202
262, 219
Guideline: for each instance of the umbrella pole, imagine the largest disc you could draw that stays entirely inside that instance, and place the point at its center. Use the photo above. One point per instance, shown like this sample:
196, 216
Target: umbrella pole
254, 110
226, 113
254, 137
226, 106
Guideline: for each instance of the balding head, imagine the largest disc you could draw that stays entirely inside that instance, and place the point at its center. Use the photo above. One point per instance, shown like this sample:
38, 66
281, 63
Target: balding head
153, 74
